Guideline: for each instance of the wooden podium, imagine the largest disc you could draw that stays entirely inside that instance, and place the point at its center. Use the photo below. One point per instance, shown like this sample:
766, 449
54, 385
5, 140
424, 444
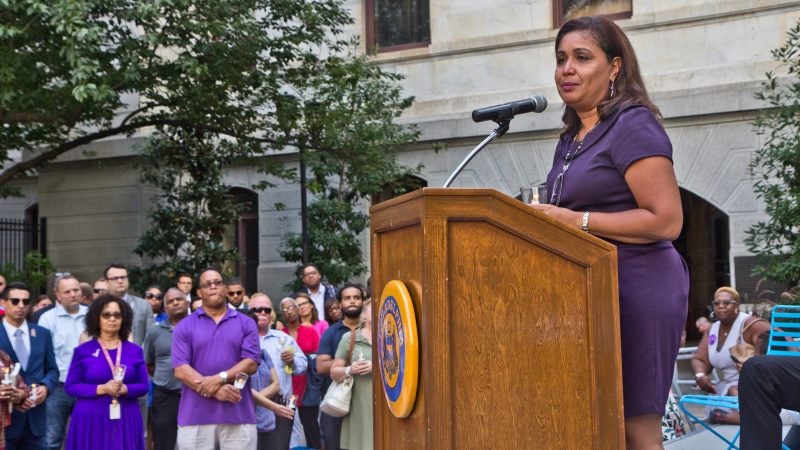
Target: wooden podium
518, 325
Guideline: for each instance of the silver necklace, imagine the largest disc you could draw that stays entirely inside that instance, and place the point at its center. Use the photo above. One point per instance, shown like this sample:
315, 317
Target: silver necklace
571, 155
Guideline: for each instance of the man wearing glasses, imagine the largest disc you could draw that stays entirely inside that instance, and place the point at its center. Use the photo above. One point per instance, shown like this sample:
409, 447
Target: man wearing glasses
209, 348
313, 286
185, 284
66, 321
117, 278
100, 287
158, 357
32, 347
236, 294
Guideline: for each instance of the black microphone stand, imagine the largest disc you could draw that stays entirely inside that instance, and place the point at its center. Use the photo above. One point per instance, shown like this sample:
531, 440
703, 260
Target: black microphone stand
503, 123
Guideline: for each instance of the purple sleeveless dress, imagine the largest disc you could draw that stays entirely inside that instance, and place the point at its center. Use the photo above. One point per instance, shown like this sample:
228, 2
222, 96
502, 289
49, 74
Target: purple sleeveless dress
653, 278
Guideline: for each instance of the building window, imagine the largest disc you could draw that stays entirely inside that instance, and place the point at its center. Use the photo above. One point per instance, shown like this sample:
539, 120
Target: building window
564, 10
397, 24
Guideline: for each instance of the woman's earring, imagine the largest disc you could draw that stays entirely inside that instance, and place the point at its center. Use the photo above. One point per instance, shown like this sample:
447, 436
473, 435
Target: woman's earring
613, 90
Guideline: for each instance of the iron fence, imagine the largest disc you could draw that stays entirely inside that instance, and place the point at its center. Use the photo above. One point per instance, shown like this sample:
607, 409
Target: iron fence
20, 236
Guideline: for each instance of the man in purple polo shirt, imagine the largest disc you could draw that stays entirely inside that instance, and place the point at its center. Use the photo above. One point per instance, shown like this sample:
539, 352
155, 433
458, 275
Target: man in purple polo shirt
209, 348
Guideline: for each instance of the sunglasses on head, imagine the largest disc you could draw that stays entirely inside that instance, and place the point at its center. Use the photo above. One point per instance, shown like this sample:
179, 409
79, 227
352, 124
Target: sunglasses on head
261, 310
15, 301
151, 295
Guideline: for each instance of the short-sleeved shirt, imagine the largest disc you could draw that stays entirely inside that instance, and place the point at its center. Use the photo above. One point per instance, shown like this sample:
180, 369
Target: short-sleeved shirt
157, 348
66, 330
330, 339
211, 348
265, 418
328, 345
270, 343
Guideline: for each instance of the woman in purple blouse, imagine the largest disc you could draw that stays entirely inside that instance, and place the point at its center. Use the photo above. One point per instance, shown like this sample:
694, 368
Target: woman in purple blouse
613, 177
106, 375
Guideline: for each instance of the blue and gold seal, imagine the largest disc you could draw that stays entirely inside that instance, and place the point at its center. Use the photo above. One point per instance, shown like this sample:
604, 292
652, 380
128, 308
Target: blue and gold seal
398, 348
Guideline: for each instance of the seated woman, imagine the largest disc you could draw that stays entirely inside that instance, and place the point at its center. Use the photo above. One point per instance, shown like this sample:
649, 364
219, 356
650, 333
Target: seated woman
713, 352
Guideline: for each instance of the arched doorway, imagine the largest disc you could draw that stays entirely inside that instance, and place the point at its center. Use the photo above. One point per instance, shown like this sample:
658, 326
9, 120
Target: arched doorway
705, 245
243, 235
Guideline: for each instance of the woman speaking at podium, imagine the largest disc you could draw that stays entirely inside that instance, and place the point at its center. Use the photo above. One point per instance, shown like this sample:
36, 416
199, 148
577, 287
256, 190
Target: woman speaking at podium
612, 176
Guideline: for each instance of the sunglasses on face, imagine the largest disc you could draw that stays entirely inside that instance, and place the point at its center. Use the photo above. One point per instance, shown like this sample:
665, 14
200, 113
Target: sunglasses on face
724, 303
236, 293
110, 315
15, 301
209, 284
98, 291
261, 310
152, 295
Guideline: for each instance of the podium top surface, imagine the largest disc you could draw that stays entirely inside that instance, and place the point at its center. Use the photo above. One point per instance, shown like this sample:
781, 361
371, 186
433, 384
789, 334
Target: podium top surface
435, 194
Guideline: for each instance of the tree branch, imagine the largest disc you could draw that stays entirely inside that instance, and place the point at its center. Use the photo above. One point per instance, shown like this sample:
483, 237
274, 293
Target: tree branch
55, 152
7, 116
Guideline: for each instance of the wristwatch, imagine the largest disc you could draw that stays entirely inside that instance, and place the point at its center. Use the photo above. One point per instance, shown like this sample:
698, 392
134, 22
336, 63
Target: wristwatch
224, 376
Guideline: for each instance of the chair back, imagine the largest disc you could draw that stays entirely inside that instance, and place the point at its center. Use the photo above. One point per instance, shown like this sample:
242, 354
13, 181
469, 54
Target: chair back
784, 337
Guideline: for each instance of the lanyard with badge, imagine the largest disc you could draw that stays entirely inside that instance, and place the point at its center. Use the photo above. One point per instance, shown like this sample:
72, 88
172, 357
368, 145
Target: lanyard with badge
118, 372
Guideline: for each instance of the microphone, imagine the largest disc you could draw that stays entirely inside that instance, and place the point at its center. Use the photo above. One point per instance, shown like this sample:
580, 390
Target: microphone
537, 103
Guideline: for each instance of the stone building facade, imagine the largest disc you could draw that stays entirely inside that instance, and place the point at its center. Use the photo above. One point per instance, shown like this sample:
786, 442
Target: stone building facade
702, 62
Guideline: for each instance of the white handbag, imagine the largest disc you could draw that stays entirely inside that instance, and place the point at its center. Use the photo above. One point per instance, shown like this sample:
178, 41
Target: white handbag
337, 400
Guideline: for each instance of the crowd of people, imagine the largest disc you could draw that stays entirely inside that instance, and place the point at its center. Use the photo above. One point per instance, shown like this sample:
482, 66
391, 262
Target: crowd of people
182, 368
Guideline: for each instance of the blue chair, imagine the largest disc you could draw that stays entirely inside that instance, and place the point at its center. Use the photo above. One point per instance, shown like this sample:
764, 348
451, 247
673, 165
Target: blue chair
784, 339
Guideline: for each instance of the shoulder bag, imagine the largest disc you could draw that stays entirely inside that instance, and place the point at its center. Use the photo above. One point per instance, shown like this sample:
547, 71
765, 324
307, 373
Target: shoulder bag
337, 400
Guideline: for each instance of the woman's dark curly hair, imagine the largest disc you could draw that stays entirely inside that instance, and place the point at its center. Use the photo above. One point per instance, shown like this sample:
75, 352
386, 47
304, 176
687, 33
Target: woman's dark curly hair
96, 308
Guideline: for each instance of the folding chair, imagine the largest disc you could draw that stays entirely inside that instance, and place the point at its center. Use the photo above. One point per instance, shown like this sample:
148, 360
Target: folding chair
784, 339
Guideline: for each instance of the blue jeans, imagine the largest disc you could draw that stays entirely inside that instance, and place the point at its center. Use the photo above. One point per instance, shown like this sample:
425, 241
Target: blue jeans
59, 408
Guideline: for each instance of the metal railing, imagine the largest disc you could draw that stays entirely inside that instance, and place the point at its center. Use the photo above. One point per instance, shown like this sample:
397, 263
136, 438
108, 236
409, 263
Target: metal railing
20, 236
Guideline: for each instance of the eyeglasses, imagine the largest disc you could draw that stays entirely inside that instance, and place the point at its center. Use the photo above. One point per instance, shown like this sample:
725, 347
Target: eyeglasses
303, 304
288, 308
261, 310
724, 303
15, 301
236, 293
111, 315
152, 295
118, 278
211, 283
98, 291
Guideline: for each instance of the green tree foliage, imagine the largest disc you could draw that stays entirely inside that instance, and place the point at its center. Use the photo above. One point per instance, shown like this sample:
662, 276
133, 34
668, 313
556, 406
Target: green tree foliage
210, 82
75, 71
775, 167
348, 130
35, 271
187, 225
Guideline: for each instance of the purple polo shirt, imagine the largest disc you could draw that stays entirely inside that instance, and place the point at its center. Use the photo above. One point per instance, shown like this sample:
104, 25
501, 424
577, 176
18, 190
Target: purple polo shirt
210, 348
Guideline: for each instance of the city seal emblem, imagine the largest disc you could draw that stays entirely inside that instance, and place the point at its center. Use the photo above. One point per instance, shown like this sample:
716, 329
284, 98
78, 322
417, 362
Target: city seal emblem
398, 348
